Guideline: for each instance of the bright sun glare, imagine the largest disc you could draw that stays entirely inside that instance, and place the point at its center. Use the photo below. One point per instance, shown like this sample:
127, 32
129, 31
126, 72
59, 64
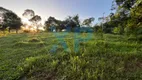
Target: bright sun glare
29, 26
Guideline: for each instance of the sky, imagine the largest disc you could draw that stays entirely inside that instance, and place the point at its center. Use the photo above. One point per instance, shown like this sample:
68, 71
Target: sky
60, 9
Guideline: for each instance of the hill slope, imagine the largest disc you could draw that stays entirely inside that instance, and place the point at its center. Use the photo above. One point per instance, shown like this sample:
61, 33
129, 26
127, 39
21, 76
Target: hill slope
69, 56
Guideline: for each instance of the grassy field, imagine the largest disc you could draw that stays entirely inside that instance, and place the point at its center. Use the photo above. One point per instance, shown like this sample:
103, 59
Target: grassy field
69, 56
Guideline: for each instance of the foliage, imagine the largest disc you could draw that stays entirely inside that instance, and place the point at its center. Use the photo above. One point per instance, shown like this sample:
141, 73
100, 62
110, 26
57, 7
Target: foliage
99, 56
10, 20
127, 17
88, 21
70, 23
53, 22
116, 30
35, 20
28, 57
28, 13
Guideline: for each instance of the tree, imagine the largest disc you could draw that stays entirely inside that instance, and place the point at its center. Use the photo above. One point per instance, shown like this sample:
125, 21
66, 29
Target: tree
69, 23
96, 27
88, 21
47, 25
130, 15
52, 22
134, 23
35, 20
123, 15
9, 19
12, 21
72, 22
2, 11
127, 4
28, 13
76, 20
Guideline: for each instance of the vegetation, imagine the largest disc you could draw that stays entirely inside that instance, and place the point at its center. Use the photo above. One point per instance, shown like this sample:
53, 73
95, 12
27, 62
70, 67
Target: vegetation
127, 16
32, 57
10, 20
70, 23
30, 15
110, 50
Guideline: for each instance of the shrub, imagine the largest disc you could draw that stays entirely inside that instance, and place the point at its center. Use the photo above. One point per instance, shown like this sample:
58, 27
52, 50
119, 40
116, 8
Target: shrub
34, 40
116, 30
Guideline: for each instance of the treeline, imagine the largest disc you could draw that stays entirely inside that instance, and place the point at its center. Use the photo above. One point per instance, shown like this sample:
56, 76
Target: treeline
125, 18
71, 23
11, 21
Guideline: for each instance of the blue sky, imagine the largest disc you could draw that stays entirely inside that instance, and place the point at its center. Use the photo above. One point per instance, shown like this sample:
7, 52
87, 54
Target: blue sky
60, 8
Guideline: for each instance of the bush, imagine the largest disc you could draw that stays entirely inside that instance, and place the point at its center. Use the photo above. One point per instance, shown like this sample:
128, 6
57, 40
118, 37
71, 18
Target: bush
132, 39
135, 38
140, 37
139, 30
116, 30
34, 40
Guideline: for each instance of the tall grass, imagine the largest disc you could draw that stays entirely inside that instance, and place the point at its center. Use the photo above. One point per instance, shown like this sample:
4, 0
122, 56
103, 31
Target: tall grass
71, 56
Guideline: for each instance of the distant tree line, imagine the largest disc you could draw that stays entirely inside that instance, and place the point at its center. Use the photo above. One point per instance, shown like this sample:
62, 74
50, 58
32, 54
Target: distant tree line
125, 18
71, 23
9, 20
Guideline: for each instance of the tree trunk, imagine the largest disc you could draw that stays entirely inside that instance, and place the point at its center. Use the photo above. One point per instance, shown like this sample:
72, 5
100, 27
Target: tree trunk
9, 30
16, 31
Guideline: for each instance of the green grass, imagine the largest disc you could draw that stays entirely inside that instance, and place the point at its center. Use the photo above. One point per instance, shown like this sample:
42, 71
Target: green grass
28, 56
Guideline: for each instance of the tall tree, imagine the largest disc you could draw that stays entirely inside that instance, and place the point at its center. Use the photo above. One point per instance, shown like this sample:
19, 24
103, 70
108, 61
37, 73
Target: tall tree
122, 16
134, 24
28, 13
9, 19
88, 21
35, 21
127, 4
76, 20
70, 23
52, 22
12, 21
2, 11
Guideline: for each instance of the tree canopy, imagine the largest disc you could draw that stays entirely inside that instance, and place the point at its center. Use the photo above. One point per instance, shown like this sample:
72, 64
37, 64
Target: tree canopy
10, 20
127, 16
